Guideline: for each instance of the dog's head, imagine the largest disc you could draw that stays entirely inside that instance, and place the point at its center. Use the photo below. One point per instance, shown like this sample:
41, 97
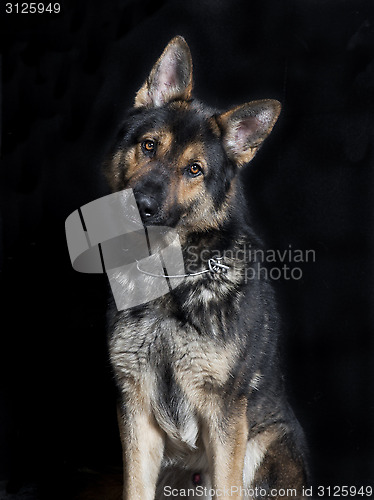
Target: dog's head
180, 157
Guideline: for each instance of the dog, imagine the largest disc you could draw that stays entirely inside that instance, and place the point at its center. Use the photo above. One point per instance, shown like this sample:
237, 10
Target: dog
202, 405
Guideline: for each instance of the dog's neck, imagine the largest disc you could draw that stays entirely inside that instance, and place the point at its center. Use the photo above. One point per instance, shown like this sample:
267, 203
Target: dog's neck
226, 248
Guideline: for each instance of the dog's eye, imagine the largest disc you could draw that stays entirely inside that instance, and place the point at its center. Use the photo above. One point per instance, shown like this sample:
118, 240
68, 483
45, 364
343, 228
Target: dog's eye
194, 170
149, 147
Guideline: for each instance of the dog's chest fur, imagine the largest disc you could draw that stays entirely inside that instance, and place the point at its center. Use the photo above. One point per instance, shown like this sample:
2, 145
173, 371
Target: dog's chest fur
175, 368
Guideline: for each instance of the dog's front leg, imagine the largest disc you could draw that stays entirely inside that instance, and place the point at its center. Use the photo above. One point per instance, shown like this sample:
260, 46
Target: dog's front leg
225, 442
142, 447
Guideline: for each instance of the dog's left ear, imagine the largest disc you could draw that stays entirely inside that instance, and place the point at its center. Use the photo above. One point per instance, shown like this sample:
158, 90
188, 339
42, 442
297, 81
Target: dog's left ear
170, 78
246, 127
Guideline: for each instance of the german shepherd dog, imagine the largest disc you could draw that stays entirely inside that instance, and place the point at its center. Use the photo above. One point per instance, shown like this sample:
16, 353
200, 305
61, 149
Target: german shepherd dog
202, 408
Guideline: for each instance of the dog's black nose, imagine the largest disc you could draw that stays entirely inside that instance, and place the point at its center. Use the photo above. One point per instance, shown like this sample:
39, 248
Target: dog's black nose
147, 206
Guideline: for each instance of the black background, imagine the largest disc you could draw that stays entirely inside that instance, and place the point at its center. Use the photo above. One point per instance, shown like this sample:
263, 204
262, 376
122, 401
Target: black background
66, 81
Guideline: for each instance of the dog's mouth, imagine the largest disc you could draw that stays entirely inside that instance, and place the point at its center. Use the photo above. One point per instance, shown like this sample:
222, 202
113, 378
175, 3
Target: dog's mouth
161, 218
158, 219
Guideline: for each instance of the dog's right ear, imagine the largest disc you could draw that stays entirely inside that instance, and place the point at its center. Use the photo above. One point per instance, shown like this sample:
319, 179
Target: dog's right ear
170, 78
246, 127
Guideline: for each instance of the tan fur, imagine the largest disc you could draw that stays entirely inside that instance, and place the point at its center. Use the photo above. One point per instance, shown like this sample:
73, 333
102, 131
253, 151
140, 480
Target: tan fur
226, 450
113, 170
257, 447
163, 137
143, 446
180, 105
289, 477
214, 126
193, 152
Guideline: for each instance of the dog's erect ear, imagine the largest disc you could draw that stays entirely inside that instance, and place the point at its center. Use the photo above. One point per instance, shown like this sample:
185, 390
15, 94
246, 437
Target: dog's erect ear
170, 78
246, 127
